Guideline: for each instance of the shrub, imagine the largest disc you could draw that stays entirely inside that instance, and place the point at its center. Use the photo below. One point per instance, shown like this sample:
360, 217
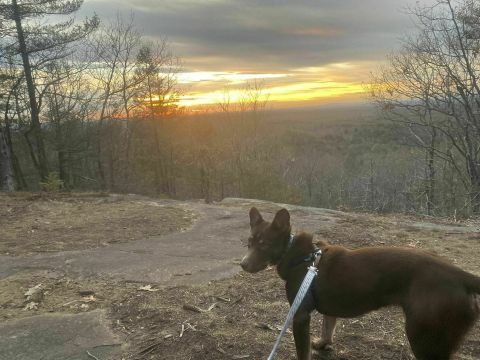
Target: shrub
52, 183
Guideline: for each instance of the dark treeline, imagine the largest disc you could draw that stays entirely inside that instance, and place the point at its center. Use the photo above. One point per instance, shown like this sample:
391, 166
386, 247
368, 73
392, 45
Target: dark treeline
93, 106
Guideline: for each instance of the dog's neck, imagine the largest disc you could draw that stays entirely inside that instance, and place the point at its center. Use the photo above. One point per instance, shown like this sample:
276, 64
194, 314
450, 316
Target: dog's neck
301, 246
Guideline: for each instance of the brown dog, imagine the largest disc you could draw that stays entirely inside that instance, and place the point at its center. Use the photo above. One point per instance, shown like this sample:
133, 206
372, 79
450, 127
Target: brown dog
438, 299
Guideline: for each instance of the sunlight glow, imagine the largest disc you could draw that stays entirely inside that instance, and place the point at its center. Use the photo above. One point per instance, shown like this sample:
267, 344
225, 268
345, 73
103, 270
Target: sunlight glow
305, 84
294, 92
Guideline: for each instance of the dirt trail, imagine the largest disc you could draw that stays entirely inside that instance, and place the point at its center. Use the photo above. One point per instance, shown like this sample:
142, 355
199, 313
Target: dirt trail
207, 250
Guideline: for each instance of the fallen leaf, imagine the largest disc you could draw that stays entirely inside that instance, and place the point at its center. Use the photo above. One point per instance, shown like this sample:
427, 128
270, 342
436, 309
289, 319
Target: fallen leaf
86, 292
147, 288
221, 298
192, 308
33, 290
31, 306
87, 299
197, 309
265, 326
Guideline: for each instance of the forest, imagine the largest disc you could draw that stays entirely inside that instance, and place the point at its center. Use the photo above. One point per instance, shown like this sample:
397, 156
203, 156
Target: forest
93, 106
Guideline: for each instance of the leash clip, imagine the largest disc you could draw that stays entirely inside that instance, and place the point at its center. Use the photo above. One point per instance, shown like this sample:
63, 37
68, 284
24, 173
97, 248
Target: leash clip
317, 255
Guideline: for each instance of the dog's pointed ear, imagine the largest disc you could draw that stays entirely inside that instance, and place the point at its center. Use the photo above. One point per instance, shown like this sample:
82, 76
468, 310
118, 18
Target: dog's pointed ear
282, 220
255, 217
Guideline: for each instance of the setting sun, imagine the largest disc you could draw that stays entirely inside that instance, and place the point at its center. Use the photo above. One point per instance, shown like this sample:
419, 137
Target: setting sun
301, 85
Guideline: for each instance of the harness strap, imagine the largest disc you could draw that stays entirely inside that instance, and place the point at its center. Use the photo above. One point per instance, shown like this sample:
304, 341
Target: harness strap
309, 258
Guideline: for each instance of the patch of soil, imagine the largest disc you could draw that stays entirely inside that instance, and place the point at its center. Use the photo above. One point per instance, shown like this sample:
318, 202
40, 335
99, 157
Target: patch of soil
244, 321
58, 293
33, 223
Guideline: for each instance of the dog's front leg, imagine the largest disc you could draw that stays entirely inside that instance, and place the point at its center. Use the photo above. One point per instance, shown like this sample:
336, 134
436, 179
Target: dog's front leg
301, 334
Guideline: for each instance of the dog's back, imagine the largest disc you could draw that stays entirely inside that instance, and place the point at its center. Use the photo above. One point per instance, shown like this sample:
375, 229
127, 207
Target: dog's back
351, 282
438, 298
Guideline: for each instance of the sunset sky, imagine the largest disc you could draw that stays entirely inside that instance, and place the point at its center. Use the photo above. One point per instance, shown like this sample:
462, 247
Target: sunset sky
304, 52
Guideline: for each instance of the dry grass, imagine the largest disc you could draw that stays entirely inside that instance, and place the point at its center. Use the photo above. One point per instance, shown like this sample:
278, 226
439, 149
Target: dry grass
61, 294
48, 223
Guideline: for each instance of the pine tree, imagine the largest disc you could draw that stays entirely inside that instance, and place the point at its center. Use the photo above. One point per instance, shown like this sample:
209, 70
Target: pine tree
34, 47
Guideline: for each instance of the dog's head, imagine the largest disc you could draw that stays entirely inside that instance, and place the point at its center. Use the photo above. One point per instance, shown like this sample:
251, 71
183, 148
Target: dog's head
267, 240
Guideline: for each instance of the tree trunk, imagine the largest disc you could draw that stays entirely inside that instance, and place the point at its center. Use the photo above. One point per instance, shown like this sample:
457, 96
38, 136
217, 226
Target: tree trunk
126, 166
62, 168
34, 111
7, 138
430, 186
475, 196
474, 175
111, 157
173, 184
161, 160
6, 175
99, 163
17, 170
111, 170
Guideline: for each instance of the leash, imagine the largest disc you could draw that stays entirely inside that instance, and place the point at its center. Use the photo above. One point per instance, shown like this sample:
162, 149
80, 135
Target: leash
307, 282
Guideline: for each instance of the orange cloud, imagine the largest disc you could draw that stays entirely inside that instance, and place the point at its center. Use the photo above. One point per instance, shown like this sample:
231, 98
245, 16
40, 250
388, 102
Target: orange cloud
309, 84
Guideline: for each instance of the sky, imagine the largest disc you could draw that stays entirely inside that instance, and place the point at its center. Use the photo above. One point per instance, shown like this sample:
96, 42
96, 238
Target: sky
302, 52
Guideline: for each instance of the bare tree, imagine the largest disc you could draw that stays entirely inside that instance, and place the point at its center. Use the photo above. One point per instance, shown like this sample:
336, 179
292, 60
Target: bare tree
157, 102
12, 104
68, 107
110, 50
6, 166
244, 112
6, 173
38, 45
432, 86
134, 78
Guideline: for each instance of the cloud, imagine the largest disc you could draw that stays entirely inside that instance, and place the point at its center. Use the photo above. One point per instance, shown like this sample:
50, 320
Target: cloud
268, 34
285, 42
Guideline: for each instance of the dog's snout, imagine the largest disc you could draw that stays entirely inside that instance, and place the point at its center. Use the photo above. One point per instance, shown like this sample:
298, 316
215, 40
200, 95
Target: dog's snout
253, 262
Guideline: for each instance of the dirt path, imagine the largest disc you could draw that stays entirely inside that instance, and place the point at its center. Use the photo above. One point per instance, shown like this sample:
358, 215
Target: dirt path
207, 250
